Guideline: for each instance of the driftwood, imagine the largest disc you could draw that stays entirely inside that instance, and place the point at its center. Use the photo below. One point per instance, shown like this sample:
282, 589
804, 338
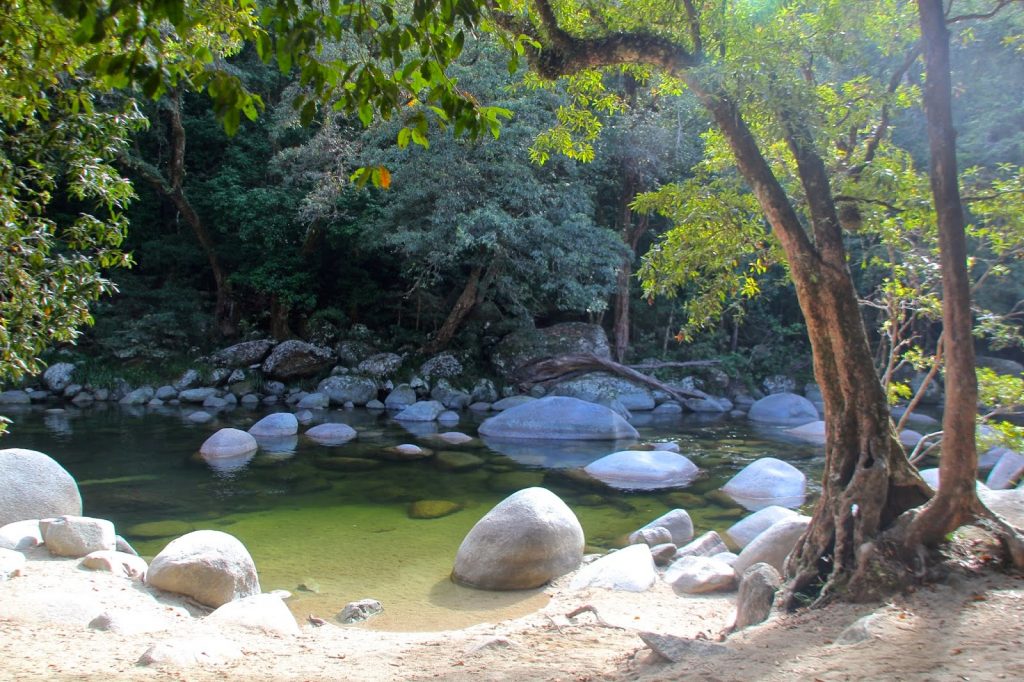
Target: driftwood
547, 371
688, 363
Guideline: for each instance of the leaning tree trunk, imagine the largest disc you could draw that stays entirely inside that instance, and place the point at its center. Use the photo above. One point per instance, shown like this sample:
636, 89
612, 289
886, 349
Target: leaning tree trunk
867, 482
457, 315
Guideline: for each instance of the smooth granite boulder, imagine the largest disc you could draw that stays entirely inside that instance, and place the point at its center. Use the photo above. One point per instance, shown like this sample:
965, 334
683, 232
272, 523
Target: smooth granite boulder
1007, 472
275, 425
644, 469
783, 408
21, 535
557, 417
34, 486
210, 566
526, 540
744, 531
331, 433
228, 444
423, 411
294, 359
630, 569
700, 574
678, 524
344, 388
596, 386
767, 481
773, 545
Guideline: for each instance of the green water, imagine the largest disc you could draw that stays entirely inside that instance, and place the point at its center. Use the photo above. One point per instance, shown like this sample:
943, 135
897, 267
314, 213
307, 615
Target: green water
346, 534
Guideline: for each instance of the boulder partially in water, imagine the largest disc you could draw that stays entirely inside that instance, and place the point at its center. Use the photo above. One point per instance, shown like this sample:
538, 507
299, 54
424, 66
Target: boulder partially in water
560, 418
210, 566
228, 444
644, 469
767, 481
526, 540
34, 486
276, 425
331, 433
783, 408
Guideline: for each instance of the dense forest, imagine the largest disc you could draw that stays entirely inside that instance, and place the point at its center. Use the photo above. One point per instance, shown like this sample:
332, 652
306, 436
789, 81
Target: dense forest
740, 181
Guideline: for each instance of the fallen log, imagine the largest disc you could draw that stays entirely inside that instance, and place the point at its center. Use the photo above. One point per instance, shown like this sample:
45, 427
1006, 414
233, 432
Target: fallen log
547, 371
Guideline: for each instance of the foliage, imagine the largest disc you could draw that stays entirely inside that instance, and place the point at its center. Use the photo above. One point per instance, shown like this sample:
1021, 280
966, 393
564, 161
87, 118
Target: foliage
61, 200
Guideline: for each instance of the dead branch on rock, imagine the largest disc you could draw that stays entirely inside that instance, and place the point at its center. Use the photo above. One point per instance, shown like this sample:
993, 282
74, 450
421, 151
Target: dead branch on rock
548, 371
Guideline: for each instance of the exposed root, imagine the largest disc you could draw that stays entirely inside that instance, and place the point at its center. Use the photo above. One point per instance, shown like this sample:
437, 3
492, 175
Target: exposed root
601, 621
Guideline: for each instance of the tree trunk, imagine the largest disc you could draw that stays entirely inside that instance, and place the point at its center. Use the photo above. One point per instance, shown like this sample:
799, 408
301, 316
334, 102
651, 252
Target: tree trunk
620, 325
867, 482
956, 500
279, 327
465, 303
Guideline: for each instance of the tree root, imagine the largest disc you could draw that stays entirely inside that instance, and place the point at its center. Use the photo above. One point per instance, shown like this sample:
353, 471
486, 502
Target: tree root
601, 621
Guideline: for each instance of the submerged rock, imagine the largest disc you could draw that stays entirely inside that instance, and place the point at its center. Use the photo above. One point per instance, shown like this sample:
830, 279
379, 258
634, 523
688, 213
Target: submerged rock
358, 611
432, 509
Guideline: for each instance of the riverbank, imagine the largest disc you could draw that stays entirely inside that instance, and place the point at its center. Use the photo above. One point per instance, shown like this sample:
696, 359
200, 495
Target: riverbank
968, 627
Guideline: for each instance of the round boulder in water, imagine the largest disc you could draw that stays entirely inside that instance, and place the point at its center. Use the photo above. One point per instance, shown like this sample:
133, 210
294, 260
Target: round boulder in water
783, 408
558, 417
228, 444
274, 425
34, 486
331, 433
644, 469
526, 540
767, 481
210, 566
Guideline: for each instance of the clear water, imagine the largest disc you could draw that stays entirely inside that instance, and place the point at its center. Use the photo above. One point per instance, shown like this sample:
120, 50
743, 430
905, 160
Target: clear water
331, 536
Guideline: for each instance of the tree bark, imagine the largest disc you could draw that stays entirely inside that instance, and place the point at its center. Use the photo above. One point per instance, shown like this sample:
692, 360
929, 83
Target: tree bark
457, 315
956, 500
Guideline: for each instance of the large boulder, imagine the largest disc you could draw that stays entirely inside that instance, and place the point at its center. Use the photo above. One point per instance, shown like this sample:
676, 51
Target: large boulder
76, 536
380, 365
441, 366
449, 396
57, 377
597, 387
526, 540
644, 469
34, 486
331, 433
525, 345
744, 531
401, 397
767, 481
140, 396
630, 569
243, 354
344, 388
784, 409
758, 586
275, 425
228, 444
197, 395
265, 613
773, 545
15, 397
210, 566
1007, 471
296, 359
423, 411
1007, 503
811, 432
558, 418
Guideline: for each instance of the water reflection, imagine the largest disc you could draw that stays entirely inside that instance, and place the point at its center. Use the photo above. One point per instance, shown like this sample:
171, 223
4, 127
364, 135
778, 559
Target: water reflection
555, 454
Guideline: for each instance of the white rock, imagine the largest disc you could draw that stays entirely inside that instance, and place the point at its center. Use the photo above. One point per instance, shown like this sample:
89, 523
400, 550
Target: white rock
21, 535
11, 564
677, 522
643, 469
34, 486
263, 612
228, 444
745, 530
708, 544
76, 536
812, 432
274, 425
557, 418
331, 433
423, 411
526, 540
767, 481
783, 408
208, 565
118, 563
773, 545
191, 652
698, 574
630, 569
